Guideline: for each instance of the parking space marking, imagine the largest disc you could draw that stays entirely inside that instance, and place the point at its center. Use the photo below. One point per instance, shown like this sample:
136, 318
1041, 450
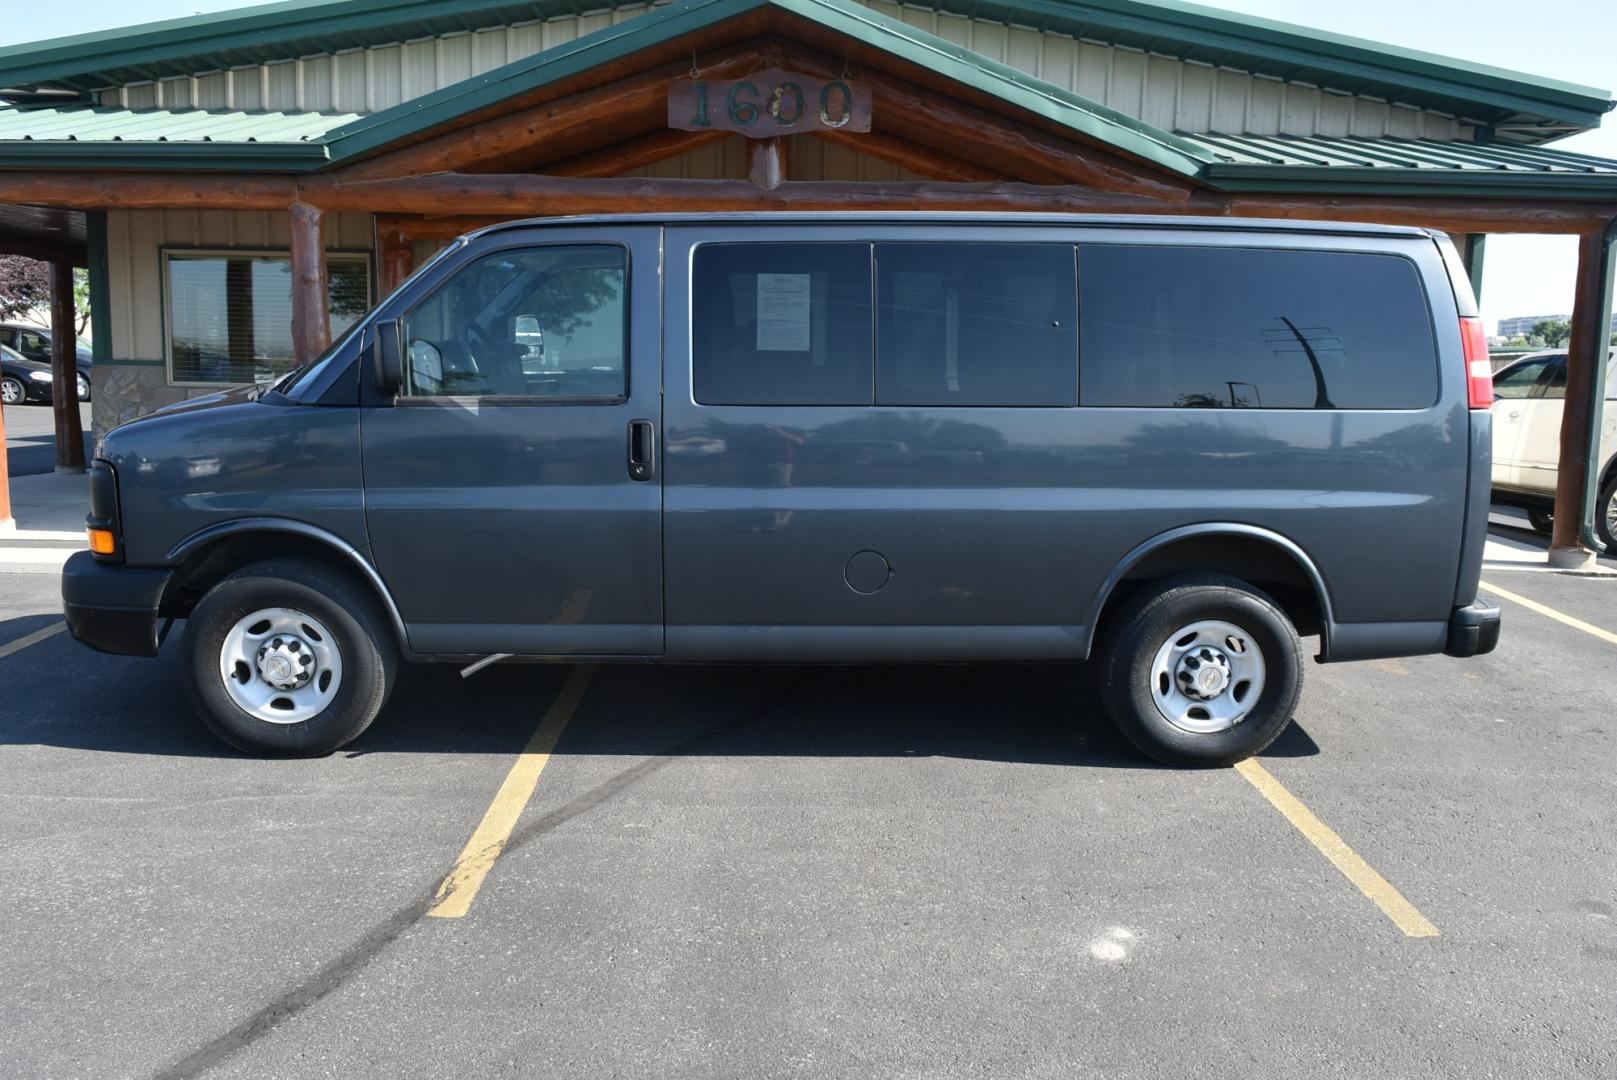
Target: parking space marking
1550, 613
31, 639
459, 888
1378, 889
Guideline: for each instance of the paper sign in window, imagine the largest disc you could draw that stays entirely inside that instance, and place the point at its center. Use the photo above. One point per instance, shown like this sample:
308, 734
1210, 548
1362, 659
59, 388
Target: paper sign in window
783, 312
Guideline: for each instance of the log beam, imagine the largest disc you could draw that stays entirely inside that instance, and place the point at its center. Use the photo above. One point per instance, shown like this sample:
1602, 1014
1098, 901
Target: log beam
64, 371
520, 195
635, 153
311, 312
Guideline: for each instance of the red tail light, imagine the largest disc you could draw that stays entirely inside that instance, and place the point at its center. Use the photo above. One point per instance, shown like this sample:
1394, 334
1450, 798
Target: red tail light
1478, 368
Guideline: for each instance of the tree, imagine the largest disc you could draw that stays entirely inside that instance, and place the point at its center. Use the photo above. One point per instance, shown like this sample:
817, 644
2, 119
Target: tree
25, 285
1555, 332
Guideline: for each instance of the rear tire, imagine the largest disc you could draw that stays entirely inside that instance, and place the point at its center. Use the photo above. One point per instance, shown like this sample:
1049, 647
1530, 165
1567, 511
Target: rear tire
1162, 642
1542, 521
264, 647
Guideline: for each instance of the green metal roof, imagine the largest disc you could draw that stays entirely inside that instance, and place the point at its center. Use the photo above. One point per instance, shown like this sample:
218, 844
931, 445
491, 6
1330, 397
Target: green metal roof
1315, 163
1543, 107
443, 107
95, 137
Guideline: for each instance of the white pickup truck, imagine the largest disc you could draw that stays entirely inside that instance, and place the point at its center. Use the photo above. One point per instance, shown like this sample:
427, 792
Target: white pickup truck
1529, 395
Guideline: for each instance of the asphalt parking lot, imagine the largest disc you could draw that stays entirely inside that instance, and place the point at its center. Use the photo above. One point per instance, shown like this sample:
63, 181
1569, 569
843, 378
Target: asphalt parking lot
31, 438
816, 872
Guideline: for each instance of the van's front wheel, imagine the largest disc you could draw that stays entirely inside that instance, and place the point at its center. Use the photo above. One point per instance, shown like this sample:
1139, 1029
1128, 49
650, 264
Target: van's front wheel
288, 658
1201, 670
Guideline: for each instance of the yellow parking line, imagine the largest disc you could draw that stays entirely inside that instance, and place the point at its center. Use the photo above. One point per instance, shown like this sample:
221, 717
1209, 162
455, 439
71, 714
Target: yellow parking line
31, 639
1550, 613
1380, 891
459, 889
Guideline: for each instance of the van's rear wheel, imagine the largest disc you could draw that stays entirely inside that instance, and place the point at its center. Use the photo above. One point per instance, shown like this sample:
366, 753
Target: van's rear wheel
288, 658
1201, 670
1541, 520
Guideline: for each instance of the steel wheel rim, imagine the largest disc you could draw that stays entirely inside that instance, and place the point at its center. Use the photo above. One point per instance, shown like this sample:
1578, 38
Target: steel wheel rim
280, 665
1207, 677
11, 392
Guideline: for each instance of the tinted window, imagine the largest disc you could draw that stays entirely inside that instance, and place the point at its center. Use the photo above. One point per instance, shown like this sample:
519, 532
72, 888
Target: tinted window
1555, 383
536, 322
781, 324
1212, 327
976, 324
1518, 381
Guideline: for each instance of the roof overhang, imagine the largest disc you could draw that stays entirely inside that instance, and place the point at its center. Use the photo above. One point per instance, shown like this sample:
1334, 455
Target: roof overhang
1532, 108
919, 78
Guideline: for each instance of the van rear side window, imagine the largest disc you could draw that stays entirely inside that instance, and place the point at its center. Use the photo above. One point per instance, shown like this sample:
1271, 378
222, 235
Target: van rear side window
1207, 327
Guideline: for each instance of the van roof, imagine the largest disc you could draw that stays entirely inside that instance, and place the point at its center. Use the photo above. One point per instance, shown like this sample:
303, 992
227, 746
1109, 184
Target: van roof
907, 217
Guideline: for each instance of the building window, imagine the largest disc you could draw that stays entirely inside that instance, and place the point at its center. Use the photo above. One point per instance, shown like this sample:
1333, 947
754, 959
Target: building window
230, 312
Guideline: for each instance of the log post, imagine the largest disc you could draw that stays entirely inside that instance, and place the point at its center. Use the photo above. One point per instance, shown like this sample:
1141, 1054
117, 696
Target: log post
64, 371
398, 260
311, 318
1586, 348
768, 170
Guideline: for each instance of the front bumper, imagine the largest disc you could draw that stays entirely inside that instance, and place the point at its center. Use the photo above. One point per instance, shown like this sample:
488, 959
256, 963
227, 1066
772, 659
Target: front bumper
110, 607
1473, 629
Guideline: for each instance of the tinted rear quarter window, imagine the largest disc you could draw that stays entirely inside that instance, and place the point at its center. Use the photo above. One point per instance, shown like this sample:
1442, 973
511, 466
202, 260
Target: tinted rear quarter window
1207, 327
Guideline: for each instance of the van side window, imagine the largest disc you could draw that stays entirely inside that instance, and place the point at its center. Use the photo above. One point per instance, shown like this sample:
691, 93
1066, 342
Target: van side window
544, 322
1209, 327
976, 324
781, 324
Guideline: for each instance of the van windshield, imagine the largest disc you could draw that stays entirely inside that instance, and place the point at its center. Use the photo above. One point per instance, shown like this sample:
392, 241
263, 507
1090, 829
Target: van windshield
297, 382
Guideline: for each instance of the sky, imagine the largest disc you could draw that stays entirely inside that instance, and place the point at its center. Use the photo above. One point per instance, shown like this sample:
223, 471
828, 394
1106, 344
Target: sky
1573, 40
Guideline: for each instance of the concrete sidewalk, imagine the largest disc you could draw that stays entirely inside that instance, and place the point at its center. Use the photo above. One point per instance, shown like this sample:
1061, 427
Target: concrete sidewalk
49, 511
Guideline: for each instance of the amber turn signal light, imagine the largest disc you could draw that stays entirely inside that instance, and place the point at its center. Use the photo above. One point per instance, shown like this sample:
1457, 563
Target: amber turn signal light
101, 542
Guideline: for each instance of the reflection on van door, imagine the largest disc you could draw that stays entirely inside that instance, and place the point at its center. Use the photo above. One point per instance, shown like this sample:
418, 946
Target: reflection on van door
511, 490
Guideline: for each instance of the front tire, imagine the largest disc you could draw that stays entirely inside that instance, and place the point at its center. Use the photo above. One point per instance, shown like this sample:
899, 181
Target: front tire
288, 658
12, 391
1201, 670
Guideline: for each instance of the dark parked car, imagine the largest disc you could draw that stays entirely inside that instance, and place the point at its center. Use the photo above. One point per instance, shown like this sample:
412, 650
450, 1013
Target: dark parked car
34, 342
23, 380
1170, 447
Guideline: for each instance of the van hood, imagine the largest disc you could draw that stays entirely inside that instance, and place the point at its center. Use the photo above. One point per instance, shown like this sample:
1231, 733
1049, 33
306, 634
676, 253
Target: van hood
234, 396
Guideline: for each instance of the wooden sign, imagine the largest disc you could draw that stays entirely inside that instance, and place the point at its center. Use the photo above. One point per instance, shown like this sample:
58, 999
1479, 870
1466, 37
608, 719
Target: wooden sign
769, 103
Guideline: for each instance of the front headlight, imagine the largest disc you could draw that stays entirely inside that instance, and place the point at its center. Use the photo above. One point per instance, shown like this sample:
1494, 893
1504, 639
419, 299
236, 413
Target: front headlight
40, 376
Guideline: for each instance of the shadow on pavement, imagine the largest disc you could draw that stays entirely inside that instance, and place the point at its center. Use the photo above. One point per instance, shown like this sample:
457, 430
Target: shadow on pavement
57, 693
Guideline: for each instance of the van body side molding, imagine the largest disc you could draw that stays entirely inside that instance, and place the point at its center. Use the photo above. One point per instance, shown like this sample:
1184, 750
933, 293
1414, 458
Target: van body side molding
241, 526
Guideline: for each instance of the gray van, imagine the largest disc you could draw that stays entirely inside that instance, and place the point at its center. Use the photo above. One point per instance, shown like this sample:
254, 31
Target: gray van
1169, 446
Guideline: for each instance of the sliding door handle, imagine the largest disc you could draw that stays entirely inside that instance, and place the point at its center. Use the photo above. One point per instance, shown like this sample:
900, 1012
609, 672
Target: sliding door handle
642, 449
